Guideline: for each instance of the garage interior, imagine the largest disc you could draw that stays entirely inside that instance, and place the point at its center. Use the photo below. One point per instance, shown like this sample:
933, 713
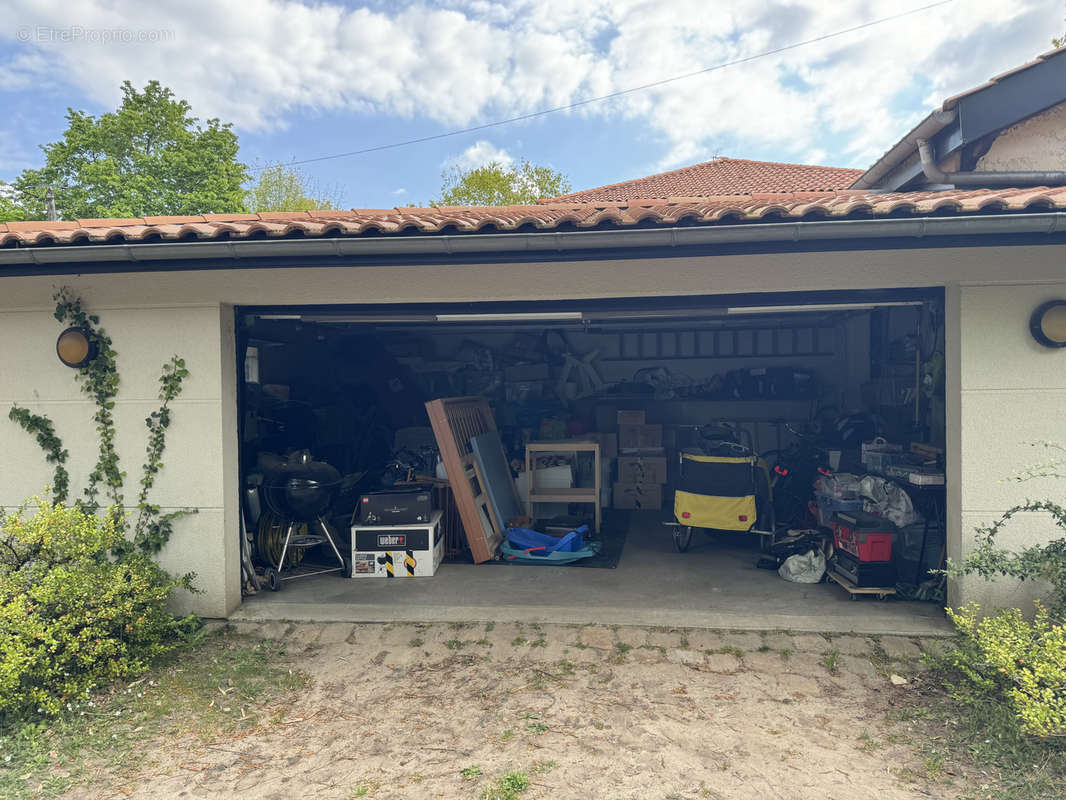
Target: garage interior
837, 398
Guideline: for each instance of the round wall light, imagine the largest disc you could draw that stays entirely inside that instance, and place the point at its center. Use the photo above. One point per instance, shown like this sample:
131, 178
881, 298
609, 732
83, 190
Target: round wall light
1048, 323
75, 347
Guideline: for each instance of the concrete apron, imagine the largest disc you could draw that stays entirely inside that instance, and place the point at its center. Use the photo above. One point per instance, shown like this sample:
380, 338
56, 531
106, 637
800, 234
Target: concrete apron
895, 625
715, 585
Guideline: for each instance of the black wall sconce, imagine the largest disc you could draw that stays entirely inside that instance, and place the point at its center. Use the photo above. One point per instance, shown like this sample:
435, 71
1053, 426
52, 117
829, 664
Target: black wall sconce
75, 347
1048, 323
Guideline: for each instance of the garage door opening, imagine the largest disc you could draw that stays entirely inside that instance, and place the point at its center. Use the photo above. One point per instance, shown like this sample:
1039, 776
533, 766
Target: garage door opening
734, 436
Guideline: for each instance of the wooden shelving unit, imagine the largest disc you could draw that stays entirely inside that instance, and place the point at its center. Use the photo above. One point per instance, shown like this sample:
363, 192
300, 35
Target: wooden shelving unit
571, 495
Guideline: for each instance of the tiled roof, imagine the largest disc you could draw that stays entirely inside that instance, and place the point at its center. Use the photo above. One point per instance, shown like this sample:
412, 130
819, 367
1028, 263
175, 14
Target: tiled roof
953, 101
907, 147
719, 178
774, 207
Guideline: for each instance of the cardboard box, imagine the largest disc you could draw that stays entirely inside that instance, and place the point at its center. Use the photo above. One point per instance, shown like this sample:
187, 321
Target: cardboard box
638, 496
397, 551
642, 469
630, 417
639, 437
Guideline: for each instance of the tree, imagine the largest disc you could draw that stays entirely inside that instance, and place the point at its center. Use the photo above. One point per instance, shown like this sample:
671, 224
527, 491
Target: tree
149, 157
496, 184
9, 208
280, 189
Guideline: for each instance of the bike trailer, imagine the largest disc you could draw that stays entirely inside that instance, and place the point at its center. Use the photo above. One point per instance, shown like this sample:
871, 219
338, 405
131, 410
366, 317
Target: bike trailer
720, 492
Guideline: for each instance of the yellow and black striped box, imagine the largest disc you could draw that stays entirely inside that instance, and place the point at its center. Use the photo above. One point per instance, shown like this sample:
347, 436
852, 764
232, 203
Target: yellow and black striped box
397, 551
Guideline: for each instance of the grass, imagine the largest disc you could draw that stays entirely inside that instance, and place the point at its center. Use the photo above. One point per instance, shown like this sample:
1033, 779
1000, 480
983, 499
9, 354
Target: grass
509, 787
786, 654
471, 773
867, 742
417, 642
518, 641
981, 737
454, 644
216, 687
831, 661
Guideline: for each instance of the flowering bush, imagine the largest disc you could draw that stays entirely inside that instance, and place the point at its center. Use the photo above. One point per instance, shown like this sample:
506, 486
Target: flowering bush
1005, 656
72, 616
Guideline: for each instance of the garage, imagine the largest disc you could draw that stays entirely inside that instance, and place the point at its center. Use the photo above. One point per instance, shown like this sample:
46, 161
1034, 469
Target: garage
825, 401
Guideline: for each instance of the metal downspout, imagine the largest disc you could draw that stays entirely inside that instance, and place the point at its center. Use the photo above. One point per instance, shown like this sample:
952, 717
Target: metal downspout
985, 179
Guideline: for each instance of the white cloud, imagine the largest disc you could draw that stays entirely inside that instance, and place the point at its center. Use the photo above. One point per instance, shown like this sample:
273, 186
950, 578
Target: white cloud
479, 154
399, 192
264, 63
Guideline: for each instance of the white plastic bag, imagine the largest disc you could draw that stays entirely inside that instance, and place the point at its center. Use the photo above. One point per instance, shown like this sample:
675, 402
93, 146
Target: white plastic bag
806, 568
889, 500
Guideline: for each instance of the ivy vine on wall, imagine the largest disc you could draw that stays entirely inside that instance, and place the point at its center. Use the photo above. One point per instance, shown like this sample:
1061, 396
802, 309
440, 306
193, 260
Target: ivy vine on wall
99, 380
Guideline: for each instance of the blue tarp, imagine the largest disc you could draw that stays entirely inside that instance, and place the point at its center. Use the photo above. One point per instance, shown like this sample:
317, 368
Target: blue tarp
533, 547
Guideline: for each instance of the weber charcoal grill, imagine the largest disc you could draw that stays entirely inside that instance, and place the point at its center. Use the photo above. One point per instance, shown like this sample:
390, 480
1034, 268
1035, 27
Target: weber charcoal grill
301, 492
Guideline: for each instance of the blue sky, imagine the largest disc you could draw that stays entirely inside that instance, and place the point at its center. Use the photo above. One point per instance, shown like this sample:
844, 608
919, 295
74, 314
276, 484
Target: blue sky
301, 80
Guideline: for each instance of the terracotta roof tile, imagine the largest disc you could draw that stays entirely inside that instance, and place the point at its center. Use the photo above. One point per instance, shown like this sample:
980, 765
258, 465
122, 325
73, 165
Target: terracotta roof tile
161, 220
722, 176
717, 210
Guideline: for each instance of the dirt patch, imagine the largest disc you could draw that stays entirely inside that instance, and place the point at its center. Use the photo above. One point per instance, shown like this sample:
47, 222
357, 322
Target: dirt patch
438, 711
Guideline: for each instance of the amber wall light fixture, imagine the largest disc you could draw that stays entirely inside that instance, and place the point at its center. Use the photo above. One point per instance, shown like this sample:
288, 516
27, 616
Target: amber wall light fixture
1048, 323
75, 347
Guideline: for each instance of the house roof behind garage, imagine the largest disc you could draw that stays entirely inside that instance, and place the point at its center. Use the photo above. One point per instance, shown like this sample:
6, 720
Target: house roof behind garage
721, 177
451, 220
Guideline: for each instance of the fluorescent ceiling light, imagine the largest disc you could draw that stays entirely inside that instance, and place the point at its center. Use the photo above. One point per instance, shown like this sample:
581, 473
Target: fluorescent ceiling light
532, 316
278, 316
668, 314
820, 307
339, 319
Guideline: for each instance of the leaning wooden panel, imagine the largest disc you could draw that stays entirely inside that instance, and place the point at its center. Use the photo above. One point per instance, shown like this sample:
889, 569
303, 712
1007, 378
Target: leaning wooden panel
455, 421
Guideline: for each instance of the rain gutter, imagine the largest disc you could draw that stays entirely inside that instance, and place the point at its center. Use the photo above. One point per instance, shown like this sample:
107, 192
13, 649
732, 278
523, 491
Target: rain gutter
553, 245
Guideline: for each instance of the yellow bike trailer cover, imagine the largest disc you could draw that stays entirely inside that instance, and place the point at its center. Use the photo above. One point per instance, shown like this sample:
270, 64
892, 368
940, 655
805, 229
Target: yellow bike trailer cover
716, 492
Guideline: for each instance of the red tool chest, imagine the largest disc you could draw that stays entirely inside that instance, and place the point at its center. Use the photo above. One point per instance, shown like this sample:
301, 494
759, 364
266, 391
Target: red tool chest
868, 537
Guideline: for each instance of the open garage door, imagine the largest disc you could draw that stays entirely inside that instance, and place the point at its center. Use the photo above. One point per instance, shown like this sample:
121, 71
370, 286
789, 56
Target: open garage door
801, 405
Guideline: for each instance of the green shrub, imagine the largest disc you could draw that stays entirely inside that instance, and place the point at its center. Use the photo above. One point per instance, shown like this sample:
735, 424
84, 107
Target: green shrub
73, 617
1003, 656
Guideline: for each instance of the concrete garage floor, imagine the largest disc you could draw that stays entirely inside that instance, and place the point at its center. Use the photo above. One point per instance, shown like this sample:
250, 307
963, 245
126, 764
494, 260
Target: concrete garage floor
714, 585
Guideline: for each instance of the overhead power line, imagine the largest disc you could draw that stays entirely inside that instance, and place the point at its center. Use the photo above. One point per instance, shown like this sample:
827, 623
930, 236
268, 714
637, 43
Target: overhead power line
601, 98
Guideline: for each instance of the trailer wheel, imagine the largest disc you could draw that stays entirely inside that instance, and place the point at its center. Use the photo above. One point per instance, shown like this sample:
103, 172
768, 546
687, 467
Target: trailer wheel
682, 538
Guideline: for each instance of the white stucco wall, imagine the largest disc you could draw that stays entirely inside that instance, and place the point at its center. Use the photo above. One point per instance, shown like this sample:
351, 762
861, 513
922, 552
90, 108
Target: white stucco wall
1002, 388
1012, 393
1036, 143
195, 470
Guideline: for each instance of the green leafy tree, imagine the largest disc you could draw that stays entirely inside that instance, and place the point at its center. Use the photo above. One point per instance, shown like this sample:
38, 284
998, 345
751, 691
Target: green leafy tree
281, 189
496, 184
1059, 42
9, 208
149, 157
